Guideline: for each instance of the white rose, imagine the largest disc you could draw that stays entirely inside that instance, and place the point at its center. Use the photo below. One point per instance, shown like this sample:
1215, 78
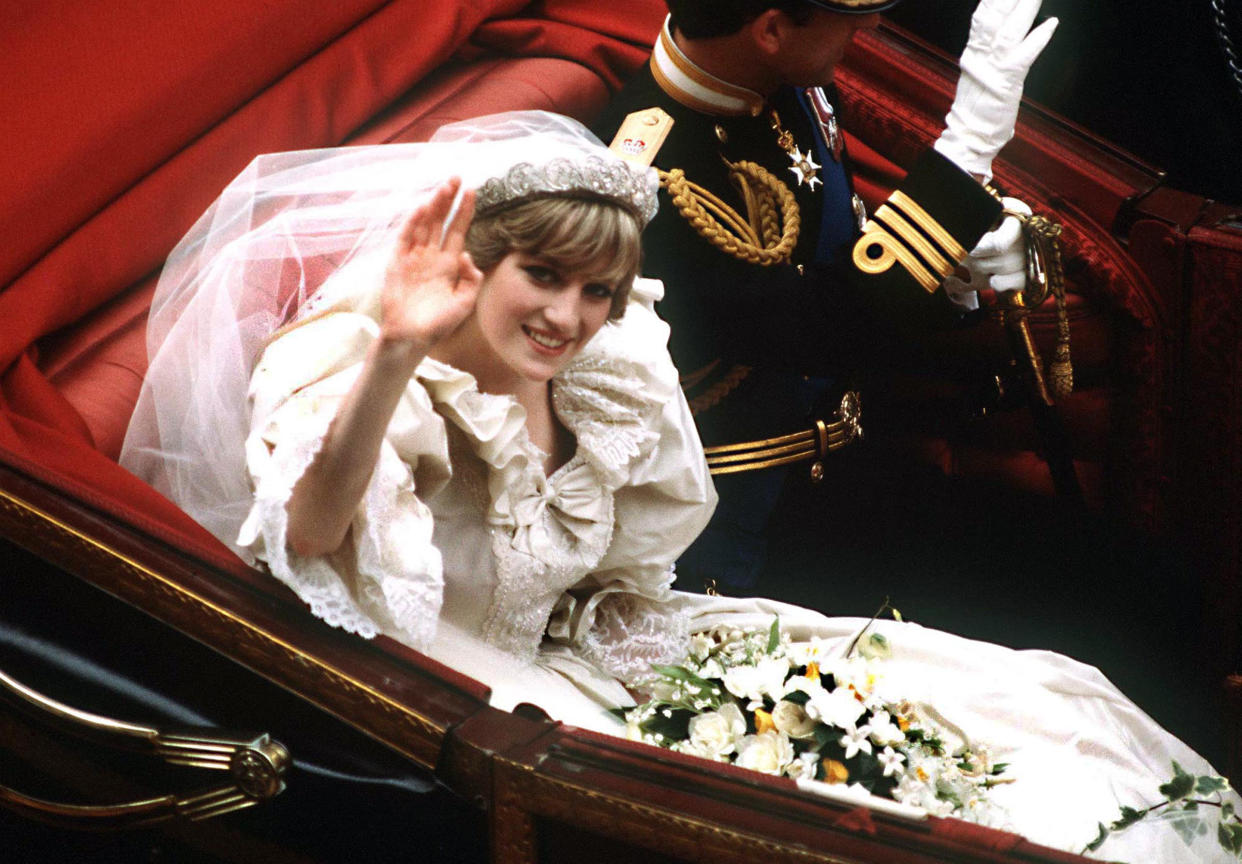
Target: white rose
792, 719
715, 734
805, 767
769, 752
765, 678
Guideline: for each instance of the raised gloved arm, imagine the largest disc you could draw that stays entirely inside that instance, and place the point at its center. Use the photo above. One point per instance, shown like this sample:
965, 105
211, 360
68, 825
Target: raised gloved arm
994, 64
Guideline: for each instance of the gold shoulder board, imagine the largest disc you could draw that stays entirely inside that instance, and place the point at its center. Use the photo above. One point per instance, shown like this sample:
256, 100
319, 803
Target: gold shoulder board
641, 136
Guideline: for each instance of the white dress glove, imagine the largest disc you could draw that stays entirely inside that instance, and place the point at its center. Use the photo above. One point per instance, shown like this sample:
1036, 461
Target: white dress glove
998, 54
998, 261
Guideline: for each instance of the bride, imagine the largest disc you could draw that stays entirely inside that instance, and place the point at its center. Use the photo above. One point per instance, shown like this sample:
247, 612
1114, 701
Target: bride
421, 386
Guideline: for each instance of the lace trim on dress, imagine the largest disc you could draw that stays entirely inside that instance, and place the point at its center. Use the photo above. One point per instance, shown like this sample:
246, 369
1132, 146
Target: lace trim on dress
630, 633
371, 584
605, 402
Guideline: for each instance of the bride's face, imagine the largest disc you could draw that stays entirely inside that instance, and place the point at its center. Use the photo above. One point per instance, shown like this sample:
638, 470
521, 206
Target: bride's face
535, 315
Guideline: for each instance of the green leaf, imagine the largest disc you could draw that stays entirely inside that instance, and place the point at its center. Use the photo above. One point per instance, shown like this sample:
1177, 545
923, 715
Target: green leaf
1099, 840
620, 713
774, 635
1129, 816
1230, 836
797, 697
675, 727
1226, 810
681, 673
1000, 768
1225, 837
1208, 785
1180, 786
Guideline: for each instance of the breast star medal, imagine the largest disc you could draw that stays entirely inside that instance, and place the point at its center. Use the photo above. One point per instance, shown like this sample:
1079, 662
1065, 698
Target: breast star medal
804, 166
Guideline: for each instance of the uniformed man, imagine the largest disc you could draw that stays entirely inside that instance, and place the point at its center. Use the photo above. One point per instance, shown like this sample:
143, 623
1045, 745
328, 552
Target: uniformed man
776, 283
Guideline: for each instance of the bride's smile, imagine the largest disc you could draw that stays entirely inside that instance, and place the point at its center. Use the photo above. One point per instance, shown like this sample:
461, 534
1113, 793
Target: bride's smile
532, 318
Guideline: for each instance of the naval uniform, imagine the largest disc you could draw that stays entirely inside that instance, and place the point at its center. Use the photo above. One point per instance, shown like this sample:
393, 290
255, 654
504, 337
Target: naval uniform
759, 347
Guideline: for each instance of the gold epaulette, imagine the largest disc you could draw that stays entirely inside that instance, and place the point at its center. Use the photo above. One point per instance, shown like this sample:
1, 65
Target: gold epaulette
903, 232
641, 136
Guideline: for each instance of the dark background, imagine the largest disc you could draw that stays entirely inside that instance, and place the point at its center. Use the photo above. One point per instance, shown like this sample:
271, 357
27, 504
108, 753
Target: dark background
1149, 76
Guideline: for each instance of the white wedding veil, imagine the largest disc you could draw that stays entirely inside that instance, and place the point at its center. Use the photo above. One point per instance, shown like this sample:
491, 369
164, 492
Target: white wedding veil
274, 239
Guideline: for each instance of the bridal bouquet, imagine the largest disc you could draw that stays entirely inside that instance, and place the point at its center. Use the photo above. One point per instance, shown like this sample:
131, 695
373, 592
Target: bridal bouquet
753, 699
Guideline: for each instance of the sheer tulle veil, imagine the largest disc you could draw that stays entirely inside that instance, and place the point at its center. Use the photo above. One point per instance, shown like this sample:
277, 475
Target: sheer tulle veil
298, 232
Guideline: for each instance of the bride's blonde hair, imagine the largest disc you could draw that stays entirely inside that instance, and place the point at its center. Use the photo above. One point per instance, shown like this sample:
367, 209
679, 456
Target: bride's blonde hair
592, 236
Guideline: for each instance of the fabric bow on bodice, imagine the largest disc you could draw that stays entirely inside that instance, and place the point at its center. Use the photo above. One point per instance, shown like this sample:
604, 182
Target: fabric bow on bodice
548, 532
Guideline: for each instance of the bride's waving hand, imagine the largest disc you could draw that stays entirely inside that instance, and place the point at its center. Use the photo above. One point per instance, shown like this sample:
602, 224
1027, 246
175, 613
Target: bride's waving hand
431, 283
430, 288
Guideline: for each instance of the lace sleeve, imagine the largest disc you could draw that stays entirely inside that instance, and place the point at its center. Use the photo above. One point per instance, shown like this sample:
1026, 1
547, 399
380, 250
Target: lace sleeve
387, 577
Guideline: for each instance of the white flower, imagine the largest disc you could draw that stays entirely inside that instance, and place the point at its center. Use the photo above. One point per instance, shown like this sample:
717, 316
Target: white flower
715, 735
701, 645
769, 752
855, 740
664, 690
711, 669
891, 760
804, 767
765, 678
884, 731
805, 653
837, 708
791, 718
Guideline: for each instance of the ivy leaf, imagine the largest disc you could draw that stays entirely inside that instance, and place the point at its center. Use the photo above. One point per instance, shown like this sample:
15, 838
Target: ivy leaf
1230, 837
1129, 816
1208, 785
774, 635
1099, 841
1180, 786
1226, 810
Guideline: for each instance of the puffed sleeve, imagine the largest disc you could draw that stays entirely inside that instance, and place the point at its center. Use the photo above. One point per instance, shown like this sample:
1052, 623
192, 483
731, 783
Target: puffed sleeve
387, 576
618, 617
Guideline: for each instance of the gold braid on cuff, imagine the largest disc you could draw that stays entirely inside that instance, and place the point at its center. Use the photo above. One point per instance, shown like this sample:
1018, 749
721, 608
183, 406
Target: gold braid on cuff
842, 429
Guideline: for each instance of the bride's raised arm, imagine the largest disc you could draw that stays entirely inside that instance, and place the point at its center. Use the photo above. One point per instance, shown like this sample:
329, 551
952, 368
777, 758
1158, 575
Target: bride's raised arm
430, 287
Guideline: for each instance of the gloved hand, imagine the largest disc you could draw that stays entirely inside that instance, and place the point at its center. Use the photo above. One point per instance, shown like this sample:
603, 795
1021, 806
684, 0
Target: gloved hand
998, 261
994, 66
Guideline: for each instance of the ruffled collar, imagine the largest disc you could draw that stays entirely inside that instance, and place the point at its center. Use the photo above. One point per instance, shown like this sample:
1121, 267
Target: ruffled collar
604, 401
